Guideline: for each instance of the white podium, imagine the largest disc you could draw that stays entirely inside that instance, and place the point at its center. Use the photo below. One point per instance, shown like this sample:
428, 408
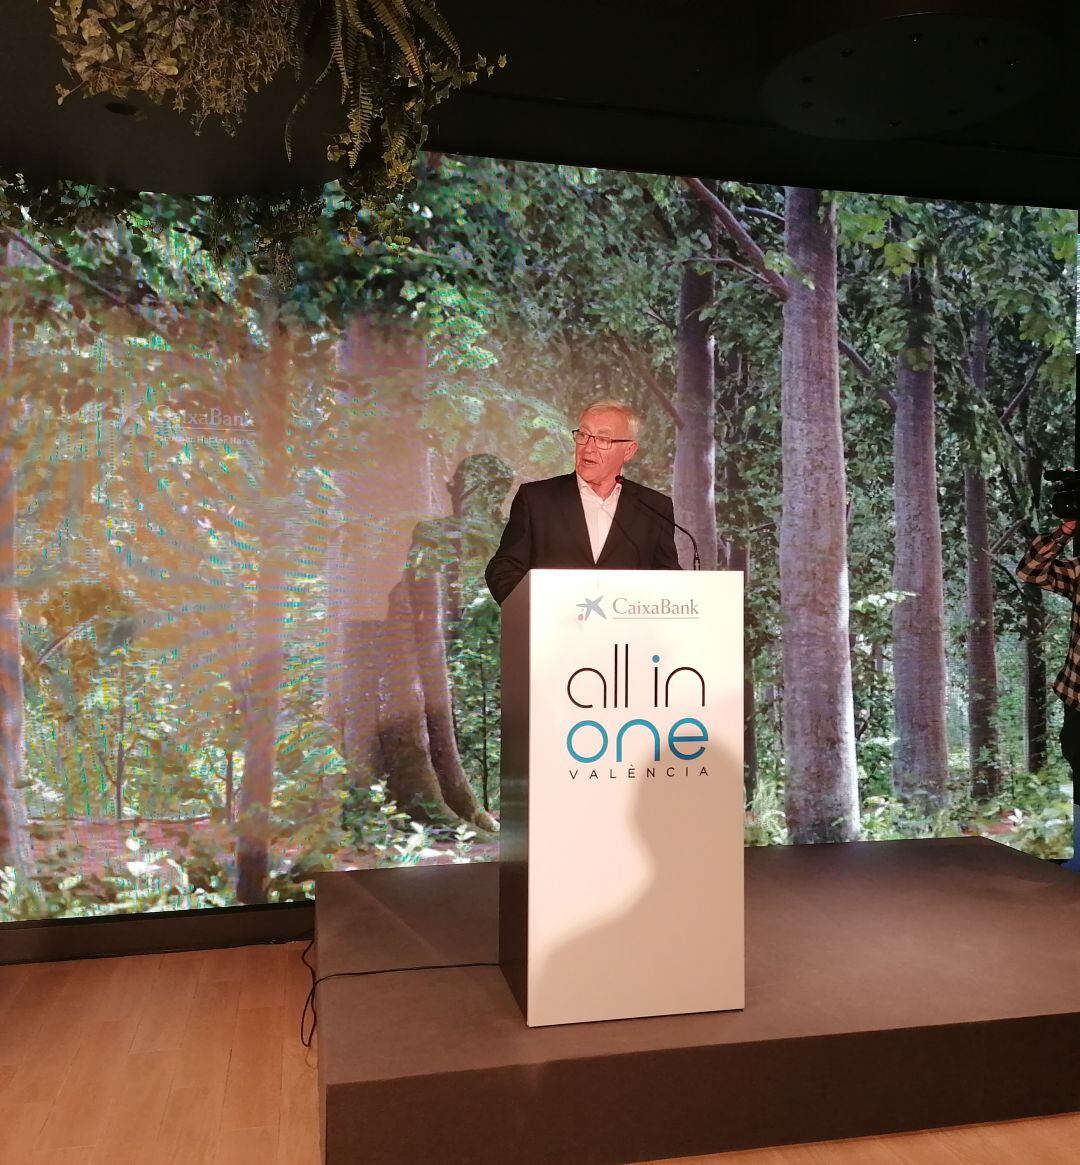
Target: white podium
621, 880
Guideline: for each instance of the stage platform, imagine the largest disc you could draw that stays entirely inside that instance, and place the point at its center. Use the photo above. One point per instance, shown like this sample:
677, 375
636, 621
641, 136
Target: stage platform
890, 986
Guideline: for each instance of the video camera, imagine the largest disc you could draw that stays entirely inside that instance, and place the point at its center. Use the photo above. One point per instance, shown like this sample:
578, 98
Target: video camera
1065, 503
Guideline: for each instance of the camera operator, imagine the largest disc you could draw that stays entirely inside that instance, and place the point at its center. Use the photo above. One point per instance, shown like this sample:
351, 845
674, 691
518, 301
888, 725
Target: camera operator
1042, 566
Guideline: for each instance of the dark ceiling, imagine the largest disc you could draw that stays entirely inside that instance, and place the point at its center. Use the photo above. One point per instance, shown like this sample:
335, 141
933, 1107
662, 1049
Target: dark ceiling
672, 86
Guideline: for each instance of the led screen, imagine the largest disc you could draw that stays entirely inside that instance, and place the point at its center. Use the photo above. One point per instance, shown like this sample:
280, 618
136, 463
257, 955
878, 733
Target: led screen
252, 467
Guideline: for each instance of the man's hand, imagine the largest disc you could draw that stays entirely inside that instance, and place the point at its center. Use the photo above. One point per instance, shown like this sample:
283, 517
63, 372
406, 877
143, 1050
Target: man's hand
1068, 527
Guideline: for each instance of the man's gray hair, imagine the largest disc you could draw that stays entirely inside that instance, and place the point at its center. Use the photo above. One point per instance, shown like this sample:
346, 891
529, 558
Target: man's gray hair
629, 413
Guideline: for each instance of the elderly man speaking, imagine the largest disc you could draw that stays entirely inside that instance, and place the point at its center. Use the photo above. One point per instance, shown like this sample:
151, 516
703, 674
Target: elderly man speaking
592, 517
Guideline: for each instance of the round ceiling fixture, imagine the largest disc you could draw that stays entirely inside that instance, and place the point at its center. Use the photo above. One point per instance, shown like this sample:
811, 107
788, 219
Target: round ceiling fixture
879, 70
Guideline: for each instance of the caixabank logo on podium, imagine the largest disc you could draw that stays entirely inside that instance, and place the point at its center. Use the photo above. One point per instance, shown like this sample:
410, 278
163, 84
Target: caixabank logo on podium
623, 607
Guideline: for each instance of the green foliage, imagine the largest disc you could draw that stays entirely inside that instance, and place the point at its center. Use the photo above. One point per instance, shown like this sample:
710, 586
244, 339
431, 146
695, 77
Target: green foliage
416, 846
379, 827
1033, 811
765, 822
1041, 828
473, 658
372, 819
150, 880
887, 818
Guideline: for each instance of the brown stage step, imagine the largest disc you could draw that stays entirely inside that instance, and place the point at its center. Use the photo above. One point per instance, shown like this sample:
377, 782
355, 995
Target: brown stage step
892, 986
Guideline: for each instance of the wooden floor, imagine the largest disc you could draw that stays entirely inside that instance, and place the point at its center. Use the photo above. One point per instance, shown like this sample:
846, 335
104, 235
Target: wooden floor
183, 1059
195, 1059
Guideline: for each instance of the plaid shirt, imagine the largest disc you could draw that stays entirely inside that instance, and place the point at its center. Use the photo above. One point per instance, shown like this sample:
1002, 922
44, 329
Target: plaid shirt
1041, 566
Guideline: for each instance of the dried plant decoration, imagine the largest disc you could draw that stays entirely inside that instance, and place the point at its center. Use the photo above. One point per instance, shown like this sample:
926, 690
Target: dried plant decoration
395, 61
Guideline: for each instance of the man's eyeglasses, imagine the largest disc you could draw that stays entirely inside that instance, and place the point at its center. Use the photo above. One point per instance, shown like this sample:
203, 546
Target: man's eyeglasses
602, 443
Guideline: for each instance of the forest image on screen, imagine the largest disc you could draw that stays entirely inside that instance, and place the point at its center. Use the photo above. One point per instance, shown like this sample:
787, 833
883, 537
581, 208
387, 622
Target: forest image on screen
249, 487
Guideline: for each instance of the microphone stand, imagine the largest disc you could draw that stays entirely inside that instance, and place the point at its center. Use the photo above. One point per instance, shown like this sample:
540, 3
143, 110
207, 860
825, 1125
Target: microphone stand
660, 514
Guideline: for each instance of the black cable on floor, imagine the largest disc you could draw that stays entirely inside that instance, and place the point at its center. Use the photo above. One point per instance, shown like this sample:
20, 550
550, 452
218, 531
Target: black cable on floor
309, 1003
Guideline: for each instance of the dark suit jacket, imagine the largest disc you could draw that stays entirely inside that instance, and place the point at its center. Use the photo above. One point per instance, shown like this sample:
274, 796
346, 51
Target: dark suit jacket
547, 528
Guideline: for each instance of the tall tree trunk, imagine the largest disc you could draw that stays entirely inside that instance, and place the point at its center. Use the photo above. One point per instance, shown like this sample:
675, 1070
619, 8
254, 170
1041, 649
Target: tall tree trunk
11, 689
739, 559
732, 376
230, 782
819, 739
1035, 677
362, 658
695, 442
403, 725
121, 751
263, 696
427, 603
983, 743
731, 385
13, 847
411, 739
336, 683
486, 728
920, 760
1035, 682
381, 510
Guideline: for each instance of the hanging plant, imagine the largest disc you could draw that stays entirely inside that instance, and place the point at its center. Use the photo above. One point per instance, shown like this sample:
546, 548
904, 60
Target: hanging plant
395, 60
204, 56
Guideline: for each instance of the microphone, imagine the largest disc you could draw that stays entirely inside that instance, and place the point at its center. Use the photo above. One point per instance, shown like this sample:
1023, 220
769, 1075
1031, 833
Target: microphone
660, 514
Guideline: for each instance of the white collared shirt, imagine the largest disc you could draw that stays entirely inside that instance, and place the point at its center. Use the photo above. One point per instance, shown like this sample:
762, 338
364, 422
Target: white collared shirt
599, 514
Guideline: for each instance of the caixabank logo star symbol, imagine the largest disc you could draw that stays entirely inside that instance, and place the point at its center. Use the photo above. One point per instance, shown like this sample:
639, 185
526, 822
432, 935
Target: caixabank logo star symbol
591, 607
